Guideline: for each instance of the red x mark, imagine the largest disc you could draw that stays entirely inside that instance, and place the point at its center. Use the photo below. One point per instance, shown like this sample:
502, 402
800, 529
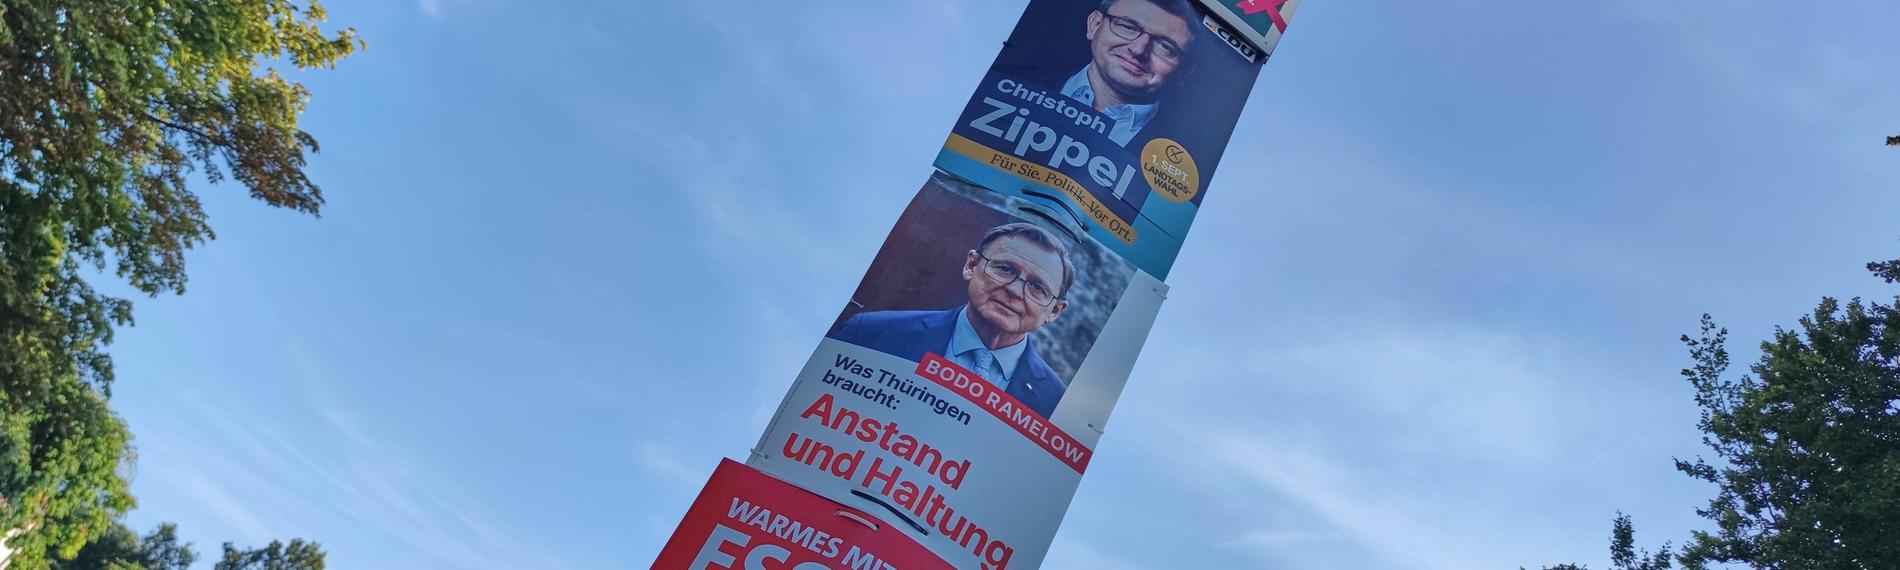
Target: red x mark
1271, 7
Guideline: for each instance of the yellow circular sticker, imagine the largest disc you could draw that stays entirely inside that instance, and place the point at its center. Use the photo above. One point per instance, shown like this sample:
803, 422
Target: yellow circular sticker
1170, 170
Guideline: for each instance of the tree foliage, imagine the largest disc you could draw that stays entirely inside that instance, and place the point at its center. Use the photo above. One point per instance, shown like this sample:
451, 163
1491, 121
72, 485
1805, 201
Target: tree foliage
119, 549
1888, 271
1808, 446
1623, 552
106, 108
298, 555
161, 550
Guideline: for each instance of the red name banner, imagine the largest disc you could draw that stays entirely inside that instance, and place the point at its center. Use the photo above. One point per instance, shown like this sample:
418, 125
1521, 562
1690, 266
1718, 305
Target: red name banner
1007, 408
747, 520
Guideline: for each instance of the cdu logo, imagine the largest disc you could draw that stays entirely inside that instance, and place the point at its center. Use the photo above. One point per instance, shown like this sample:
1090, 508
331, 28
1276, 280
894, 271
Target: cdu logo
1233, 40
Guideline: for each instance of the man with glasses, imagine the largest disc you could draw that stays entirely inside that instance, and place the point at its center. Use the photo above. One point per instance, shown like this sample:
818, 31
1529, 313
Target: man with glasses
1135, 46
1016, 280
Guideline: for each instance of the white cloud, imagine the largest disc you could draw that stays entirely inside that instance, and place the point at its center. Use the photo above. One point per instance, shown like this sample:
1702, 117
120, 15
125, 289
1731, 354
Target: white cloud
350, 477
1075, 553
1275, 539
1812, 76
1485, 393
216, 497
663, 461
392, 491
1475, 392
1383, 438
1369, 514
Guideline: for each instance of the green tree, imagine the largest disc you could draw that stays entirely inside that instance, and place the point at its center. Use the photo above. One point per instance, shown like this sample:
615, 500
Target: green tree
1888, 271
106, 108
1808, 446
1623, 552
120, 549
161, 550
117, 549
298, 555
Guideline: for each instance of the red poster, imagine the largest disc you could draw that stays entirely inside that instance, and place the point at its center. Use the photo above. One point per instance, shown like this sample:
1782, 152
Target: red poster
747, 520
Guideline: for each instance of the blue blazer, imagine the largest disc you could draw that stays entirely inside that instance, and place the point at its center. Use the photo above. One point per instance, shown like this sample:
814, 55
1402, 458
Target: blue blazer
910, 334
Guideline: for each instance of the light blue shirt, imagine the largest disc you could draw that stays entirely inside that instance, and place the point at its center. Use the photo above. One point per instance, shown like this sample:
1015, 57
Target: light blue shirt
964, 345
1129, 119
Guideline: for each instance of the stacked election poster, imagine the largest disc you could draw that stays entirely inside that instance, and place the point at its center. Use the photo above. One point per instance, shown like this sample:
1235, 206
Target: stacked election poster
1117, 113
747, 519
958, 398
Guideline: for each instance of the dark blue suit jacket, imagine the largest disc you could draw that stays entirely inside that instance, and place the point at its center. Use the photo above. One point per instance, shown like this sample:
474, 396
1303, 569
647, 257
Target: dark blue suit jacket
910, 334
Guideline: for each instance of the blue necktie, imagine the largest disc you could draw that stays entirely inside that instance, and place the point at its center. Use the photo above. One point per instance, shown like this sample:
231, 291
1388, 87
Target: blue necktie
985, 365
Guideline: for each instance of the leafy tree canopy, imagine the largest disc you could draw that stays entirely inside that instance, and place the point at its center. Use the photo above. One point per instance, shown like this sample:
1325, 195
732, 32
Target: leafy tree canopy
106, 107
1806, 447
298, 555
1623, 552
119, 549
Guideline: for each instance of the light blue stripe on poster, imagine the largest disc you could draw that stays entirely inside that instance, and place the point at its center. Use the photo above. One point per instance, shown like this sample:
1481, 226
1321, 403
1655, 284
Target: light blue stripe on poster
1154, 250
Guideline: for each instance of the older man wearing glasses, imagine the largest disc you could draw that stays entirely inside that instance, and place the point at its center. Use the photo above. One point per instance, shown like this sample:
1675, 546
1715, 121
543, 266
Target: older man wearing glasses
1016, 279
1135, 46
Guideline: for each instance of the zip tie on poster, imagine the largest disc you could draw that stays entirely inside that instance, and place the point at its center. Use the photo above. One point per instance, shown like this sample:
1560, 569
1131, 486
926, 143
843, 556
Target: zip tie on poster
855, 517
893, 510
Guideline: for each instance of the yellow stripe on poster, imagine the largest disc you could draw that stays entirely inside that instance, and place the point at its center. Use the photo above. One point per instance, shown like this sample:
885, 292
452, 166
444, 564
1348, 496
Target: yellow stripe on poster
1045, 176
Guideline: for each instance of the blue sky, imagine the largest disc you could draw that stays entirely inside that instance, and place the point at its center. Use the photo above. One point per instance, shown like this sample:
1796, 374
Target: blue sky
574, 253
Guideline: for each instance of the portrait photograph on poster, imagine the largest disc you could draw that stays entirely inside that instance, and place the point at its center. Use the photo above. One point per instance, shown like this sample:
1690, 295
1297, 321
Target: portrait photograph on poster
964, 386
1121, 108
1132, 63
999, 288
1123, 73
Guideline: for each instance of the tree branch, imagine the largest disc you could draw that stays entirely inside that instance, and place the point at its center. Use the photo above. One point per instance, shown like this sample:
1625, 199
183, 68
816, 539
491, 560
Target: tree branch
187, 129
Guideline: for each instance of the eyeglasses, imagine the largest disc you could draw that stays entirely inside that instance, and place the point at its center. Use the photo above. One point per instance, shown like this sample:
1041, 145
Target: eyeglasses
1007, 274
1164, 49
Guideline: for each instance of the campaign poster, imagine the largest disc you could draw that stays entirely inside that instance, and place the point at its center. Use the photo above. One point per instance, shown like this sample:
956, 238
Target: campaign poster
1116, 111
746, 520
961, 392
